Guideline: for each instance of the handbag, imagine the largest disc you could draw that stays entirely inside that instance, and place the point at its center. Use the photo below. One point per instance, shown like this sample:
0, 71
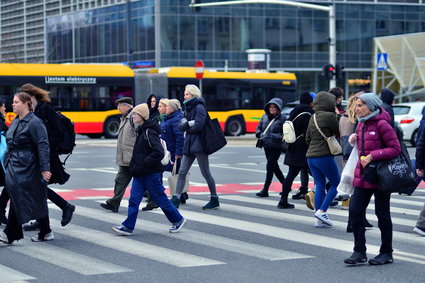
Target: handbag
259, 143
346, 186
333, 144
172, 181
212, 136
396, 175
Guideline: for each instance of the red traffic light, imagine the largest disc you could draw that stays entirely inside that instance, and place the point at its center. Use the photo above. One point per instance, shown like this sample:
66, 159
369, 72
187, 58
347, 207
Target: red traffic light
331, 68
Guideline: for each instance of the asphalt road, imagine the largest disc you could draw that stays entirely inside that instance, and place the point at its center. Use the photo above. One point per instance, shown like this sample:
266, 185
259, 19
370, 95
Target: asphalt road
247, 240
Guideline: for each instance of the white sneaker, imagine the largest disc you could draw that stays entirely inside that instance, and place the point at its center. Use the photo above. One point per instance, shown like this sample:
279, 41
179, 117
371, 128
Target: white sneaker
320, 224
323, 216
419, 231
3, 238
47, 237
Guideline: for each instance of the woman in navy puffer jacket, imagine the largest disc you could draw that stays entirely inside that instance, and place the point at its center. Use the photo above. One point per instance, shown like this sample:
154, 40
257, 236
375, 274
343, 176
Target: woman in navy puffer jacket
376, 140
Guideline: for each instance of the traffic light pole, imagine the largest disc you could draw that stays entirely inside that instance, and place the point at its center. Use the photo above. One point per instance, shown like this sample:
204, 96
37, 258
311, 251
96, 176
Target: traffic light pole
330, 9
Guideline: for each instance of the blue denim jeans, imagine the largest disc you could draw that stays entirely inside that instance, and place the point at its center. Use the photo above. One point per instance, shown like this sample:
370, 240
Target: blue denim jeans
322, 168
153, 184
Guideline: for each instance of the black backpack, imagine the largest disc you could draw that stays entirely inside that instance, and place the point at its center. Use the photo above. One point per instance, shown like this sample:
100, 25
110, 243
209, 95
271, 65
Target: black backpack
68, 143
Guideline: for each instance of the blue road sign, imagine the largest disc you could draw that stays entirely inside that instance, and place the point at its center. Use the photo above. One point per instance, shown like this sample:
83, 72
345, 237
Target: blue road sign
382, 61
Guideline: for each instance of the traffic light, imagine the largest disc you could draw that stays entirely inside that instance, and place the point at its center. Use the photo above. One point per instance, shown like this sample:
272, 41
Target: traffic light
339, 71
328, 71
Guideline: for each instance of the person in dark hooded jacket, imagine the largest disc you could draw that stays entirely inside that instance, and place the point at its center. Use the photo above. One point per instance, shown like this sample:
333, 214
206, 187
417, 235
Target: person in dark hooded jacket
153, 103
296, 152
387, 97
192, 124
269, 131
146, 169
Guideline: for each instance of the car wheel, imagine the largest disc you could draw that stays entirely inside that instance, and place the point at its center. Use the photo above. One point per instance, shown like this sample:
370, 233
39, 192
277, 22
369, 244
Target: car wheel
235, 126
111, 128
414, 138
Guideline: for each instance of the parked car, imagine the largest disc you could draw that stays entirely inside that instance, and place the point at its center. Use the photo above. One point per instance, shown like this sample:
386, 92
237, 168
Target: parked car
409, 116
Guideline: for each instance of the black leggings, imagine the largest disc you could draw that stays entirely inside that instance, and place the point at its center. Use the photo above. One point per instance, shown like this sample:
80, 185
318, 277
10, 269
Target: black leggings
272, 167
292, 174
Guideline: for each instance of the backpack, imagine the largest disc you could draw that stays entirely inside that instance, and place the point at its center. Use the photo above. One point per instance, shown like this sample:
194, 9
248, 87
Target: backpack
289, 135
66, 146
167, 155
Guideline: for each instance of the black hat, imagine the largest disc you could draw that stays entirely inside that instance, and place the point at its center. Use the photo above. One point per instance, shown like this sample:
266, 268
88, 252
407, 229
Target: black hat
125, 99
306, 98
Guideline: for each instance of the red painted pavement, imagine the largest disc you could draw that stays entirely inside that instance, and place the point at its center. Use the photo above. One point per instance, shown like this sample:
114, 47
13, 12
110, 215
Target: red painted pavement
224, 189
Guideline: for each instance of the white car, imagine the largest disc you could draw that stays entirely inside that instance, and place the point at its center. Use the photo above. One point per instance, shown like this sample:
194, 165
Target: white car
409, 116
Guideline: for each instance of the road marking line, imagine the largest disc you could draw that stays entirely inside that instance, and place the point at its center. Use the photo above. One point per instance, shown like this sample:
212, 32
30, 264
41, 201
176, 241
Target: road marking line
67, 259
205, 239
236, 168
11, 275
124, 244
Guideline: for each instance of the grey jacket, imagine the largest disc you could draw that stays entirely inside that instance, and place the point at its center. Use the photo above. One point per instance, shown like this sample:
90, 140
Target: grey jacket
126, 140
273, 137
26, 157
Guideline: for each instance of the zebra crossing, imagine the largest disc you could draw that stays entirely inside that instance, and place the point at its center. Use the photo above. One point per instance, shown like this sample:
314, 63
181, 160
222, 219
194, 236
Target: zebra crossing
220, 239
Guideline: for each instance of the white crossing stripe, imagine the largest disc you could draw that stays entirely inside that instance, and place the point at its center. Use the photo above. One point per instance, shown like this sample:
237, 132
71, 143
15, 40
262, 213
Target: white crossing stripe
124, 244
201, 238
9, 275
235, 168
67, 259
287, 234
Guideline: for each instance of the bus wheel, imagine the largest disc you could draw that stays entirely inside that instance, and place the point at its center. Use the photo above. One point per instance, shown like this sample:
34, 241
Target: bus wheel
94, 136
235, 126
111, 128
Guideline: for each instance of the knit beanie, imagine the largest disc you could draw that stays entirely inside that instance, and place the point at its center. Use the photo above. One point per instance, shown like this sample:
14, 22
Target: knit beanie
306, 98
372, 100
142, 110
174, 104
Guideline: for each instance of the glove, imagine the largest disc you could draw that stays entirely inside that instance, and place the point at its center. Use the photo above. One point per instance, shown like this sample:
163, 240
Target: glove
183, 121
191, 123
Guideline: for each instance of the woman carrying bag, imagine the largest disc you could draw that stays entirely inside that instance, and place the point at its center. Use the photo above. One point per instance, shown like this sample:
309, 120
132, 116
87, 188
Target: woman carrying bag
269, 133
376, 140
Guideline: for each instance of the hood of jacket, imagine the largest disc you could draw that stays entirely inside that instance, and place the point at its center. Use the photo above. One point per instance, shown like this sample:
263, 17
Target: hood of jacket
189, 105
324, 101
387, 96
383, 115
300, 108
157, 98
276, 101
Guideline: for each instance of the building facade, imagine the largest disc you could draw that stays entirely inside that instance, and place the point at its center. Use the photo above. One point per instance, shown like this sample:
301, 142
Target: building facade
169, 33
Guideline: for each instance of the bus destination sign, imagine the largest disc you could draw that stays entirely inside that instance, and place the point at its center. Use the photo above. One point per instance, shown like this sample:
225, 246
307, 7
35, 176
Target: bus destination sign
69, 80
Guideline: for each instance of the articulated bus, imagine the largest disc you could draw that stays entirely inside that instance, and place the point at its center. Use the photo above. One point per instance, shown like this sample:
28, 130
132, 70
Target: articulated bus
86, 93
236, 99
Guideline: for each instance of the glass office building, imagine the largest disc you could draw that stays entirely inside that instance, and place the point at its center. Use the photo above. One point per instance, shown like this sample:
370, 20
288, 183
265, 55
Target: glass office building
168, 33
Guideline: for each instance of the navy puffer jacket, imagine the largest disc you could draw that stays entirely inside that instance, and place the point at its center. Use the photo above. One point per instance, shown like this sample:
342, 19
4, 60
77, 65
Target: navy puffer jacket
273, 137
172, 135
194, 110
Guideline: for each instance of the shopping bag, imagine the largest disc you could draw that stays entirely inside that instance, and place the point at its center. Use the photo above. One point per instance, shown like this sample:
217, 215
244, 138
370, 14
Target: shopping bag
346, 186
212, 136
172, 181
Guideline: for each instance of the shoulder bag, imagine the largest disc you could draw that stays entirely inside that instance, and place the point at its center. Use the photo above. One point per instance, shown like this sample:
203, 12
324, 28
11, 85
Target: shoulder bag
212, 136
334, 146
259, 143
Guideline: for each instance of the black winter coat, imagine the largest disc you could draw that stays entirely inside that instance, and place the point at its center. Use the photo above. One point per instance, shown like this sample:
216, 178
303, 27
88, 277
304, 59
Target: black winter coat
194, 110
387, 97
46, 112
296, 152
26, 157
147, 155
420, 152
274, 135
3, 128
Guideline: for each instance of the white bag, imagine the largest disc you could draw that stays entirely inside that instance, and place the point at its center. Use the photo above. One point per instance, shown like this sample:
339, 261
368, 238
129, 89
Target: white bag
346, 186
172, 181
289, 135
167, 155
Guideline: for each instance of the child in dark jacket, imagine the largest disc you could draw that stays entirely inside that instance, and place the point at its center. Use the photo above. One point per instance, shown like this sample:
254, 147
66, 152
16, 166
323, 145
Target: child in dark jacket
146, 168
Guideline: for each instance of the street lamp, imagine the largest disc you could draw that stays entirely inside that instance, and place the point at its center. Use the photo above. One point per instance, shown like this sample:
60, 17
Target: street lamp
330, 9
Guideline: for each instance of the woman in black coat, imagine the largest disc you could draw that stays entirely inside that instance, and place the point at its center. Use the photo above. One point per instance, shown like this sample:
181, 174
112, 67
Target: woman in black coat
4, 198
192, 124
296, 152
271, 141
27, 170
44, 110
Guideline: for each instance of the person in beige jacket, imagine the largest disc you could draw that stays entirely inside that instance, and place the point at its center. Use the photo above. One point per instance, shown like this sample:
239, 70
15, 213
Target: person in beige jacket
125, 144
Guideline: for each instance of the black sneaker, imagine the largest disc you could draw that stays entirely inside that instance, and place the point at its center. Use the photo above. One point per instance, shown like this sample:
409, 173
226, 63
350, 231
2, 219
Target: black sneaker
263, 193
355, 258
334, 203
381, 259
299, 195
107, 206
183, 198
3, 219
150, 206
285, 205
212, 204
176, 201
67, 214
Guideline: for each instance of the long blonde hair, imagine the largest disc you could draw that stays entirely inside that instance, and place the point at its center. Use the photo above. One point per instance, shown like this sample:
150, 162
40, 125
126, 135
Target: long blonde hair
351, 107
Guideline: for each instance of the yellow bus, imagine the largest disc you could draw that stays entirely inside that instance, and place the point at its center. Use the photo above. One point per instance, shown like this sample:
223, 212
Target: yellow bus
236, 99
85, 93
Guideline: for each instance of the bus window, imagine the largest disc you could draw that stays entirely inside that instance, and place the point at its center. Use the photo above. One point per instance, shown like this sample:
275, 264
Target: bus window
259, 98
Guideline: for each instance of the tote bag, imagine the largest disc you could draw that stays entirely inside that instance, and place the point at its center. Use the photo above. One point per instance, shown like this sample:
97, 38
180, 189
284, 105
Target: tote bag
212, 136
333, 144
346, 186
172, 181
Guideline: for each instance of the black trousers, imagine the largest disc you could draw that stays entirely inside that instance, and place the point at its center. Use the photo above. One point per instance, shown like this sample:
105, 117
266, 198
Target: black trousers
13, 228
272, 167
359, 201
4, 198
290, 177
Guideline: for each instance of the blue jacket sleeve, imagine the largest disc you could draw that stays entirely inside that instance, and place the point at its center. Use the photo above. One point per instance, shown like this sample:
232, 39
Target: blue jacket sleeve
179, 138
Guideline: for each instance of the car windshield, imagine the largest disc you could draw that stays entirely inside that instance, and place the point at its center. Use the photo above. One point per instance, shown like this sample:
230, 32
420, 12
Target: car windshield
401, 110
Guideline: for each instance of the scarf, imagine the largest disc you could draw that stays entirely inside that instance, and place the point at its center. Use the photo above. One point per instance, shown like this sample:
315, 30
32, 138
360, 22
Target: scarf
371, 115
